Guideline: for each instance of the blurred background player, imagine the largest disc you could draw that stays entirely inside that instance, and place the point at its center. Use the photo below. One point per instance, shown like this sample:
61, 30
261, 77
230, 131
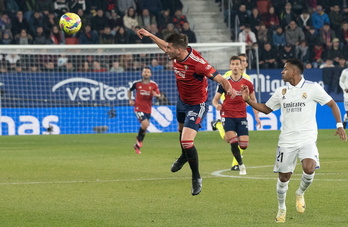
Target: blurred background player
233, 112
217, 125
344, 86
145, 90
192, 72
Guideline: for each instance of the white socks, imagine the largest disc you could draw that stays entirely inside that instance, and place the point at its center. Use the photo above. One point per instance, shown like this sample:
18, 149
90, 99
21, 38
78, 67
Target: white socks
282, 188
306, 181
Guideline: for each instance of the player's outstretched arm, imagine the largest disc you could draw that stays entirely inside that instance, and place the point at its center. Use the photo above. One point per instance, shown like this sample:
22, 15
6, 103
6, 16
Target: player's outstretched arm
215, 101
160, 42
256, 112
226, 85
337, 114
258, 106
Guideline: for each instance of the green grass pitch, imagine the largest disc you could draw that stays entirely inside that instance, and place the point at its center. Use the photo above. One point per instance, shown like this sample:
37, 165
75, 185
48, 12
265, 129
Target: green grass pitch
98, 180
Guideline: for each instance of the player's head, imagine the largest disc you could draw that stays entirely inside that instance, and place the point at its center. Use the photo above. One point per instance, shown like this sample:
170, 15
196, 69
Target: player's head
146, 73
177, 45
244, 61
236, 65
293, 69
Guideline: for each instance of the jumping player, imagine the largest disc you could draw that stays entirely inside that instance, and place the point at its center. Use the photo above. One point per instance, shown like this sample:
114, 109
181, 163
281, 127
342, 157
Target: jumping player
191, 72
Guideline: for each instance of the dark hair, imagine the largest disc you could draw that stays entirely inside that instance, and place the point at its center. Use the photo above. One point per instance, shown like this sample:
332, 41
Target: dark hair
243, 55
177, 39
297, 63
235, 57
146, 67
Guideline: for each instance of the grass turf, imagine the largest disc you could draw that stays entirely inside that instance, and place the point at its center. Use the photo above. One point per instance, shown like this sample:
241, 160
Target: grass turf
98, 180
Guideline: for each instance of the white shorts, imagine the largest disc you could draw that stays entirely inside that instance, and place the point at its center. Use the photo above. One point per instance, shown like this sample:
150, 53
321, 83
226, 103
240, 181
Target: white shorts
286, 157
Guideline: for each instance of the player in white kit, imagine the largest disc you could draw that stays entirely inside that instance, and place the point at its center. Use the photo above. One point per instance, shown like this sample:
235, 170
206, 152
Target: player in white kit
298, 102
344, 86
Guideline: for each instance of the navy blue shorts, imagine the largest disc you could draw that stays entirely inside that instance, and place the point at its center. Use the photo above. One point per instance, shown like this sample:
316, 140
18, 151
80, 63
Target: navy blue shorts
142, 116
191, 115
238, 125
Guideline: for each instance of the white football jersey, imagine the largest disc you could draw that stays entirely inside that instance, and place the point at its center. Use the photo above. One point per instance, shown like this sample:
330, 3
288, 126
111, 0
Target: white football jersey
298, 106
344, 83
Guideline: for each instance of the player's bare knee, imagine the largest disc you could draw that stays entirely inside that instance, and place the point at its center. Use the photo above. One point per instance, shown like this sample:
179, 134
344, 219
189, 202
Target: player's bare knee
284, 177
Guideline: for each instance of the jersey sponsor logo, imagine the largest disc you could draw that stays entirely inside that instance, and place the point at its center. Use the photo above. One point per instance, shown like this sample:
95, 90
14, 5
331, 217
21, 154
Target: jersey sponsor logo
180, 73
145, 93
293, 106
92, 91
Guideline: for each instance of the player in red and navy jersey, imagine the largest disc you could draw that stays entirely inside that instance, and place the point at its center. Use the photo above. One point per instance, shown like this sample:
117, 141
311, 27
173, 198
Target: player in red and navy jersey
192, 72
233, 112
145, 90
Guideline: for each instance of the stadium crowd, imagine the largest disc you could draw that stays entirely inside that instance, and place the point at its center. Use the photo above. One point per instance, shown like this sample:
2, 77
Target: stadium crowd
315, 31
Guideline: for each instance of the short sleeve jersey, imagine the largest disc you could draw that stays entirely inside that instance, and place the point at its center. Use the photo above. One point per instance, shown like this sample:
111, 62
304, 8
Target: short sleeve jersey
344, 83
143, 96
236, 107
191, 77
298, 109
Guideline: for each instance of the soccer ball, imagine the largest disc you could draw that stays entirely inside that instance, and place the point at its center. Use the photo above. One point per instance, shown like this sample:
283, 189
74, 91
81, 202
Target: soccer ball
70, 23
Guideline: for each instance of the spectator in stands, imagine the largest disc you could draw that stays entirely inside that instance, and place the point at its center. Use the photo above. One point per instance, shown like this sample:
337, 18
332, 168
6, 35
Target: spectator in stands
312, 37
163, 20
85, 67
62, 60
122, 36
49, 66
317, 54
33, 68
85, 18
287, 15
268, 57
5, 22
116, 67
343, 33
172, 6
144, 59
11, 61
152, 29
334, 52
342, 63
99, 21
278, 5
247, 36
255, 20
97, 67
146, 19
3, 68
46, 5
179, 19
57, 35
286, 53
278, 38
168, 65
124, 5
242, 16
6, 38
190, 34
70, 67
115, 22
297, 6
88, 36
170, 29
11, 7
106, 37
319, 18
35, 21
40, 37
263, 35
336, 18
271, 19
133, 38
49, 22
61, 7
23, 38
294, 34
154, 6
130, 20
303, 52
327, 35
155, 66
305, 20
18, 23
327, 64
